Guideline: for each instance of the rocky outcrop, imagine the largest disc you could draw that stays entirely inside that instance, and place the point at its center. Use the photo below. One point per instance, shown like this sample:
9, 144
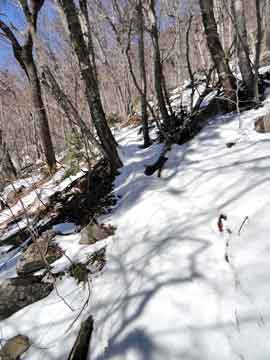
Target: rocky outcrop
16, 293
32, 259
14, 348
80, 348
262, 124
94, 232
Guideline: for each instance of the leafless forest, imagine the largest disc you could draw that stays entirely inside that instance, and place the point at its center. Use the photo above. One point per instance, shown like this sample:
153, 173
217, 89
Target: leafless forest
69, 70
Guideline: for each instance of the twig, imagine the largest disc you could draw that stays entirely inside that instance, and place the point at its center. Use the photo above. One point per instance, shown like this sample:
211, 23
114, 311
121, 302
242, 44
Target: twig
59, 295
243, 223
82, 309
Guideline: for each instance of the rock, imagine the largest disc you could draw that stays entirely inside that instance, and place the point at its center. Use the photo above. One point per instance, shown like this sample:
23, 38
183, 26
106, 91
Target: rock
14, 348
262, 124
80, 348
230, 144
95, 232
16, 293
31, 260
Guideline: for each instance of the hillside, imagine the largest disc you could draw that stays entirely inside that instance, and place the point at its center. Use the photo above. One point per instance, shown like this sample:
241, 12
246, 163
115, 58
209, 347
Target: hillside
174, 285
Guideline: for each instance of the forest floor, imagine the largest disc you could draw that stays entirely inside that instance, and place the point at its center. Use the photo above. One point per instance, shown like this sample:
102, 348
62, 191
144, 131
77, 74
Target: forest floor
179, 282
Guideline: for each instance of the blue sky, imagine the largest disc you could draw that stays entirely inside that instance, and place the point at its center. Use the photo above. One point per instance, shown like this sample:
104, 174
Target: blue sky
9, 13
12, 14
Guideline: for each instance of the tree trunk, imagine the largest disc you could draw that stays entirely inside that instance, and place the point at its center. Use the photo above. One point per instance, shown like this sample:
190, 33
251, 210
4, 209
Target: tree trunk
238, 11
217, 53
40, 112
267, 26
258, 51
70, 110
7, 169
24, 56
89, 77
140, 21
157, 65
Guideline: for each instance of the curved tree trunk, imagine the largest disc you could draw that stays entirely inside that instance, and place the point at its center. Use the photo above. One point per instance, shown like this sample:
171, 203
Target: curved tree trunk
24, 56
217, 53
89, 76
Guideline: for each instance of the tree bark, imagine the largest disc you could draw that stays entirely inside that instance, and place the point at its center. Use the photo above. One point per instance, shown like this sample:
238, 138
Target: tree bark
40, 111
140, 21
267, 26
71, 112
7, 169
238, 11
157, 64
70, 11
217, 53
257, 51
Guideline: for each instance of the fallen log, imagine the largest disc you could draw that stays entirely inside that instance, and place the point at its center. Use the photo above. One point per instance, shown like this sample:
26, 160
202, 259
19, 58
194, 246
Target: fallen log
80, 348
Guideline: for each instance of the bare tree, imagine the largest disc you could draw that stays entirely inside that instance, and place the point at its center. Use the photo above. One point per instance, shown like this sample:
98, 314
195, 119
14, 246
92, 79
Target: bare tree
25, 57
267, 25
157, 62
140, 24
217, 53
7, 169
257, 50
86, 56
239, 17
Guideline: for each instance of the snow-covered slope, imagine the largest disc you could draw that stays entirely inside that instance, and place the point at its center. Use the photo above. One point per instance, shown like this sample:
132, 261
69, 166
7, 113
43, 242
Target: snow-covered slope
167, 291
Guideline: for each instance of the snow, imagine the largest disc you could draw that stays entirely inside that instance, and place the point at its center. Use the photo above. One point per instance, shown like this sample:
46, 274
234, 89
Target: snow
26, 183
74, 251
65, 228
264, 69
183, 96
8, 259
31, 202
47, 322
40, 197
167, 290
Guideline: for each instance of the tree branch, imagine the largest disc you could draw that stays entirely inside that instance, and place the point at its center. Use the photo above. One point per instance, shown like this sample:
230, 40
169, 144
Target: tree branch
17, 49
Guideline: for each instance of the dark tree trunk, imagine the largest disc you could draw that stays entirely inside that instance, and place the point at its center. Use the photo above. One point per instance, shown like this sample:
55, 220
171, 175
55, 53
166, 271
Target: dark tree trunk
258, 50
158, 65
238, 11
140, 21
7, 169
41, 114
217, 53
70, 110
89, 77
24, 56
